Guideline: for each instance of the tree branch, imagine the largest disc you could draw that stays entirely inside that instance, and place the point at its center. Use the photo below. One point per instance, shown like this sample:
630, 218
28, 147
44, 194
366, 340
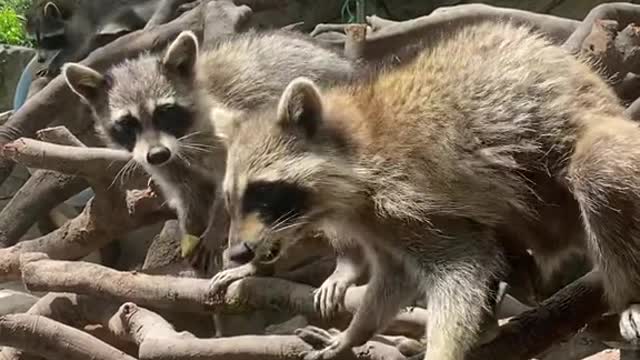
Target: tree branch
50, 339
192, 295
158, 340
92, 229
91, 163
624, 13
558, 317
392, 37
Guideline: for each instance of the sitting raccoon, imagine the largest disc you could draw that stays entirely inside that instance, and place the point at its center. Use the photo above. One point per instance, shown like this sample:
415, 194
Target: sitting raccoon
487, 137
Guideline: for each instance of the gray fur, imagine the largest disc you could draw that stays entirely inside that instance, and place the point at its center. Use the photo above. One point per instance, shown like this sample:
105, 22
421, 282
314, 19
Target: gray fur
492, 138
81, 23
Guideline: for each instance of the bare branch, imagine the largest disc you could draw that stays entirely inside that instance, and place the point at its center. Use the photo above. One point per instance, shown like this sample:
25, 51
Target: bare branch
92, 163
48, 338
615, 53
622, 12
390, 38
59, 135
91, 230
356, 41
558, 317
158, 340
42, 192
192, 295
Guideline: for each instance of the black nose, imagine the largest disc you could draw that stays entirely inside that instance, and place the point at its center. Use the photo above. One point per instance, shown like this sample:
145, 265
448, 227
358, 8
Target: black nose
158, 155
241, 253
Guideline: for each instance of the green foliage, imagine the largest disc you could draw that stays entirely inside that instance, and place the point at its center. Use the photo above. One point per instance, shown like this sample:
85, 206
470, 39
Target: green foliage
19, 6
12, 22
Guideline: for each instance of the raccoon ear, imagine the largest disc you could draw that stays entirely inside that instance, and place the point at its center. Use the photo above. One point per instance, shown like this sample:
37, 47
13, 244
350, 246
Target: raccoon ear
301, 106
182, 54
86, 82
51, 10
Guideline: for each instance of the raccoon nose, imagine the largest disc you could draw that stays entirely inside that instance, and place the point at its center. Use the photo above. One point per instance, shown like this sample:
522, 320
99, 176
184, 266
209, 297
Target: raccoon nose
241, 253
158, 155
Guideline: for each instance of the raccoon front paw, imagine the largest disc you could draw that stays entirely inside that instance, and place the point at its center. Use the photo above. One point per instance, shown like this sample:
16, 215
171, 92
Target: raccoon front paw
328, 299
630, 323
224, 278
333, 342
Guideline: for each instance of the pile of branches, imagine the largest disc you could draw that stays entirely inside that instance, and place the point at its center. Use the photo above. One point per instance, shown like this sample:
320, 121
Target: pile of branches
94, 311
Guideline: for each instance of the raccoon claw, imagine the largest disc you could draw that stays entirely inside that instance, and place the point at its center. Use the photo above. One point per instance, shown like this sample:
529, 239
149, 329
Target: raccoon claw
328, 299
332, 341
630, 323
224, 278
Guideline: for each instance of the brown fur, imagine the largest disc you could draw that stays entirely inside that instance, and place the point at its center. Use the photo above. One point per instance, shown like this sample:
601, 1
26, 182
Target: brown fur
493, 134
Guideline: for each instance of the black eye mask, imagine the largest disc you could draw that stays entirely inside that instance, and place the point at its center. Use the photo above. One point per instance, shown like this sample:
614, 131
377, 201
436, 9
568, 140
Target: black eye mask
173, 119
275, 201
124, 131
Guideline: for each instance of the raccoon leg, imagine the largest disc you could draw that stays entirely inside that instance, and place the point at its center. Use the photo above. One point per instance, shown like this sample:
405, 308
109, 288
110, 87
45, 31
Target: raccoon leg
391, 286
462, 289
329, 297
630, 323
604, 176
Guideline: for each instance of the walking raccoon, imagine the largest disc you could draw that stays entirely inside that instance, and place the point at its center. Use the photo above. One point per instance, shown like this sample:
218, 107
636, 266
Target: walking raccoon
491, 139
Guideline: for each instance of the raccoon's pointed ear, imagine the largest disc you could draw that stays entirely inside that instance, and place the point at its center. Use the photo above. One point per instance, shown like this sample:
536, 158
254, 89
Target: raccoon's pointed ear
84, 81
51, 10
182, 54
301, 106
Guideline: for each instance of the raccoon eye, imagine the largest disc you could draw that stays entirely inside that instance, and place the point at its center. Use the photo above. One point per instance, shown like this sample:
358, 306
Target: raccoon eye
124, 131
172, 119
275, 201
53, 42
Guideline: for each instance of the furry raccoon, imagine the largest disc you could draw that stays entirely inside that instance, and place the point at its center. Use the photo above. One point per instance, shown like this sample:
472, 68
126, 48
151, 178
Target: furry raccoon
491, 139
63, 30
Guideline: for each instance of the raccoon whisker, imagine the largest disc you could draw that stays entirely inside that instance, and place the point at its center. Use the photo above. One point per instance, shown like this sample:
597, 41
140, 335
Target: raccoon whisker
290, 226
129, 172
198, 146
131, 164
281, 220
190, 135
302, 220
181, 157
193, 149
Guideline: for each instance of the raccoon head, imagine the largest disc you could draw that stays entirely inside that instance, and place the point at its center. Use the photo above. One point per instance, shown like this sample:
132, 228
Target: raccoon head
46, 25
282, 177
145, 105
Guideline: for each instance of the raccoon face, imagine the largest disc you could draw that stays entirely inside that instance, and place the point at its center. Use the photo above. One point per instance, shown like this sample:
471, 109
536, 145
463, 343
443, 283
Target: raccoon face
46, 26
272, 216
145, 105
273, 176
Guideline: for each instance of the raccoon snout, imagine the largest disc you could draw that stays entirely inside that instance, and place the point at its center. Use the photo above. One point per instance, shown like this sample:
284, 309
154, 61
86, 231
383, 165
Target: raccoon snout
158, 155
241, 253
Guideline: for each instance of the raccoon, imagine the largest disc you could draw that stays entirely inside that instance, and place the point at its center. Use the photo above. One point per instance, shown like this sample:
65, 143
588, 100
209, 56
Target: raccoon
63, 30
491, 139
164, 107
